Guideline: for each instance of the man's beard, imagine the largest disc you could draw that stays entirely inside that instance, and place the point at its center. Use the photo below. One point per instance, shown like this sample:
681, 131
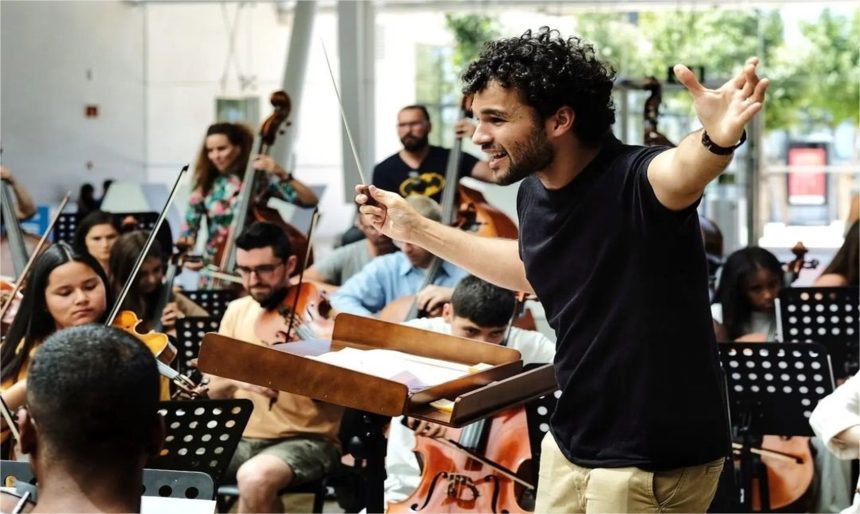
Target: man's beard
271, 300
533, 154
413, 144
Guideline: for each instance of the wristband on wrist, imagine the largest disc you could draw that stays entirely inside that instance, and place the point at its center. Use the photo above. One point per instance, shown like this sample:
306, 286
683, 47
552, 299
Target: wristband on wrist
721, 150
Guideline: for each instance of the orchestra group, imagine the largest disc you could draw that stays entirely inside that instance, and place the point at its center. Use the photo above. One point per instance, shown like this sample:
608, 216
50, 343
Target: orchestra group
608, 240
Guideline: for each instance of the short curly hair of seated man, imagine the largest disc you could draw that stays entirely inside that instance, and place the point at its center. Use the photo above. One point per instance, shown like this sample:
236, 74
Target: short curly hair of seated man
482, 303
92, 394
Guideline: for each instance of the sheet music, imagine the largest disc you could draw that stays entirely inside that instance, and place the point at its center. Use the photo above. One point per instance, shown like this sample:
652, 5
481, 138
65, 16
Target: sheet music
412, 370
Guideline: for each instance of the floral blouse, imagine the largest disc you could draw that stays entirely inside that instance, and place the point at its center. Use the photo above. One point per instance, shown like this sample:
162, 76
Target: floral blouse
218, 207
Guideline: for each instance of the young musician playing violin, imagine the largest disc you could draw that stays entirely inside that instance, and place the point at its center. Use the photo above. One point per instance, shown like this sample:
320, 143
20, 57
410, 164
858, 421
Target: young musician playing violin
218, 178
144, 296
90, 434
395, 275
610, 242
478, 310
289, 439
66, 288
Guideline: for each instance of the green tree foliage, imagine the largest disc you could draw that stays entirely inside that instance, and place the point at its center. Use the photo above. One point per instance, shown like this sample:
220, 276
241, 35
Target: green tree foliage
831, 69
470, 32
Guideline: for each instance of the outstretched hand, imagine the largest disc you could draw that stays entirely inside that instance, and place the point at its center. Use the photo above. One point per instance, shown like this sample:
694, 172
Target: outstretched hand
725, 111
388, 212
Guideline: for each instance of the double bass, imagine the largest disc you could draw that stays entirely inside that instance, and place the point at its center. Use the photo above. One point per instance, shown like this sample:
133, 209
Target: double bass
252, 196
464, 208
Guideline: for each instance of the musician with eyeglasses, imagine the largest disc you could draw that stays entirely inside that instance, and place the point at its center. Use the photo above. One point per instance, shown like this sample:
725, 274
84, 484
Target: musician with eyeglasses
289, 439
419, 168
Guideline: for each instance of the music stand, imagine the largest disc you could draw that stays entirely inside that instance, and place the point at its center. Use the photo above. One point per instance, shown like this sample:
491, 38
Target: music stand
67, 223
772, 389
213, 300
202, 435
826, 315
65, 228
189, 333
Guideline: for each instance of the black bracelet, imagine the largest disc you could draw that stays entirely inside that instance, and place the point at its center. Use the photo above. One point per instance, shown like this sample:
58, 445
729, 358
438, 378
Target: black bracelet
721, 150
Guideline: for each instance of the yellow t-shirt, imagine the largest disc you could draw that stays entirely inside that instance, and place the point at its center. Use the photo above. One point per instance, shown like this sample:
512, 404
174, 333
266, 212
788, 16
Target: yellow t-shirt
291, 414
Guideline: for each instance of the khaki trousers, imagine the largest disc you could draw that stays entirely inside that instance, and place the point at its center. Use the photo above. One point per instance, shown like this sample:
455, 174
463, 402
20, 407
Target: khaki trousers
564, 487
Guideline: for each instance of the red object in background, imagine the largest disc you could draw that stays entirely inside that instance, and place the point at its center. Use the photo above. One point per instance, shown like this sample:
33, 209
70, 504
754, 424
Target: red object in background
807, 186
91, 111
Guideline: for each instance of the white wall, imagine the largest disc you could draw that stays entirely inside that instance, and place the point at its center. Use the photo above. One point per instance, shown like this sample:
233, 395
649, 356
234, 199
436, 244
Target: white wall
157, 69
48, 48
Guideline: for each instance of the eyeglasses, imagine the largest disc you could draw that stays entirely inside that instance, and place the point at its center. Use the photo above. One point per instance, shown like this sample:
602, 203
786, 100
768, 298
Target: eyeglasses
262, 271
410, 124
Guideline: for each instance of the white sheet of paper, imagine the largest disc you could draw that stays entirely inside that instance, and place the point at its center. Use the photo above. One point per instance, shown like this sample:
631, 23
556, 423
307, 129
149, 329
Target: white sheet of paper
414, 371
159, 505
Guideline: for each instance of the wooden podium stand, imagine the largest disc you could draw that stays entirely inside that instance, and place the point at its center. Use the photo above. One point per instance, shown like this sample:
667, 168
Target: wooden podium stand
286, 367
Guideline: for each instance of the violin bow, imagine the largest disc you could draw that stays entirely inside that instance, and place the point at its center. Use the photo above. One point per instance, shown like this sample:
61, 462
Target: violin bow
343, 117
314, 218
7, 415
19, 282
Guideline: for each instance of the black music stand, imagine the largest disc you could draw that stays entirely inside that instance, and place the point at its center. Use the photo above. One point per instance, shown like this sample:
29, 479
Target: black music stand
189, 332
772, 389
67, 223
213, 300
538, 413
202, 435
826, 315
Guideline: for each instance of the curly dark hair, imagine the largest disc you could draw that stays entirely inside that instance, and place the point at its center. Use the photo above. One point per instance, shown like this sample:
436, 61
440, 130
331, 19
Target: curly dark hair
550, 71
238, 135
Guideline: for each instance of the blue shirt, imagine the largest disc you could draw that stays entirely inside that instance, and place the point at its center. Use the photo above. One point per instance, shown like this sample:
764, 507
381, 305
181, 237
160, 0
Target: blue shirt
385, 279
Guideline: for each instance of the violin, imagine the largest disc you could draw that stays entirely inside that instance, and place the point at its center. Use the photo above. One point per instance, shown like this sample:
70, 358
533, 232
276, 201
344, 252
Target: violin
12, 298
480, 472
157, 342
253, 198
302, 313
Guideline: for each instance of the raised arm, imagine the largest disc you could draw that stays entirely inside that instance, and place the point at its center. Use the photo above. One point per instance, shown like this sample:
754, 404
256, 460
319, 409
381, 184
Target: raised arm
679, 175
492, 259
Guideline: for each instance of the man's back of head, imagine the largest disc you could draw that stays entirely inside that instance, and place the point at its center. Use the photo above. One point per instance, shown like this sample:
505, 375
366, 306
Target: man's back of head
92, 395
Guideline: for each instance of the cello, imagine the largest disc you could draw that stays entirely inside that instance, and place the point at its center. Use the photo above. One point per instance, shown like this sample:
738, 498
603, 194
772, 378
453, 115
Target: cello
252, 197
17, 245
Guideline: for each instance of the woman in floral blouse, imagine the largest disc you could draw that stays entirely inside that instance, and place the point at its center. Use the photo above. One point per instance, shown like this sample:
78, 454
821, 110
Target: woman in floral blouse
217, 182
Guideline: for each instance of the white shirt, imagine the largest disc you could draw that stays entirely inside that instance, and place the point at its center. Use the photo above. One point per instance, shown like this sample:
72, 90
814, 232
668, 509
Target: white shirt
401, 466
833, 414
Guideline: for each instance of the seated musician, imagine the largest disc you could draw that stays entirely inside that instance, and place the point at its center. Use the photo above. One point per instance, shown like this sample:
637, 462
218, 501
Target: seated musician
144, 297
289, 439
478, 310
65, 289
89, 434
395, 275
348, 260
744, 309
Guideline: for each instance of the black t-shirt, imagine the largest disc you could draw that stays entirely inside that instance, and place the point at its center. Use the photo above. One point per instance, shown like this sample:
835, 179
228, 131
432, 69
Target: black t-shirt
393, 174
624, 284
